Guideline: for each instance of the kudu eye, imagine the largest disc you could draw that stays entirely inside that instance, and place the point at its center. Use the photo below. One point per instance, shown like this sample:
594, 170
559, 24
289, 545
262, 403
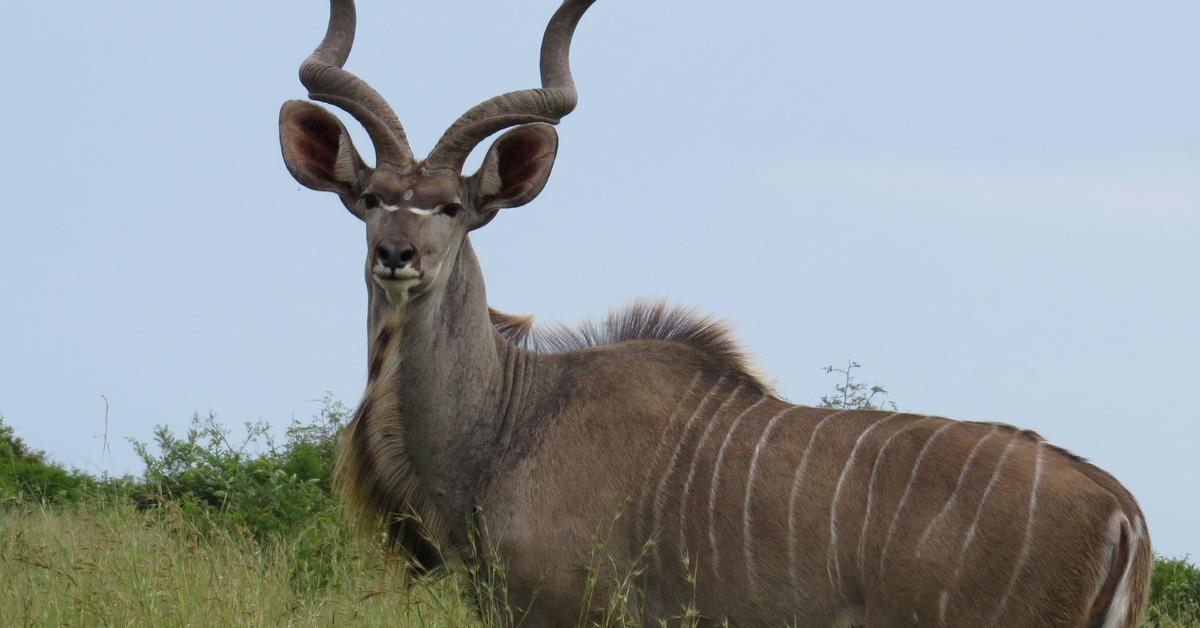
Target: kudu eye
450, 209
370, 201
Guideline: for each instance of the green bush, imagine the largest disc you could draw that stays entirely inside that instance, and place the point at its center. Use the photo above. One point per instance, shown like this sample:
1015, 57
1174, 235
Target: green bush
1174, 593
26, 475
852, 394
272, 493
256, 485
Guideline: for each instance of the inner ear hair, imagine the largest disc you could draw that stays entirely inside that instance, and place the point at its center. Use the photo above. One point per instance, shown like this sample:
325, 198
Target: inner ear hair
347, 165
489, 179
517, 166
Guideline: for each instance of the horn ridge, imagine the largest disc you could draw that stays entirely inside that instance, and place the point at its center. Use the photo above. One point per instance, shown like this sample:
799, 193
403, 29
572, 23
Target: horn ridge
554, 100
322, 74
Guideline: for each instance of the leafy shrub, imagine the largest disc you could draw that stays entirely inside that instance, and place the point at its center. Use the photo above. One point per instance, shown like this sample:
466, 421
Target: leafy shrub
26, 475
271, 493
255, 485
1174, 593
852, 394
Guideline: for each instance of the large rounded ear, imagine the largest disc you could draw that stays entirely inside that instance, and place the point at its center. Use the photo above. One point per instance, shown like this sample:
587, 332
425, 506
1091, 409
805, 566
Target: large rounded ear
318, 151
516, 168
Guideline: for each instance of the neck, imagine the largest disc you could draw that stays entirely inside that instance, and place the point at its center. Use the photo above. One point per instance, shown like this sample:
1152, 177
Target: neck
447, 377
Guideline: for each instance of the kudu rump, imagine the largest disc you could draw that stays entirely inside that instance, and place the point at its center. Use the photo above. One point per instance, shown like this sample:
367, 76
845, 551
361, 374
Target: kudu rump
761, 512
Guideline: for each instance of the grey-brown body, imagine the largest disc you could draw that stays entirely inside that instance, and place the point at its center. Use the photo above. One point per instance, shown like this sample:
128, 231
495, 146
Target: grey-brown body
808, 516
649, 431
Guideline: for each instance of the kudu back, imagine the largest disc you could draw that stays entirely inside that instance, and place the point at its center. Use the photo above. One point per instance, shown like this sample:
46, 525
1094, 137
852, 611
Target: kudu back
478, 436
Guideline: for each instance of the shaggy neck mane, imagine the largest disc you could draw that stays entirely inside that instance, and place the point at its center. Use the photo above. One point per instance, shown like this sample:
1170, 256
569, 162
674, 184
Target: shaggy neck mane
641, 320
373, 473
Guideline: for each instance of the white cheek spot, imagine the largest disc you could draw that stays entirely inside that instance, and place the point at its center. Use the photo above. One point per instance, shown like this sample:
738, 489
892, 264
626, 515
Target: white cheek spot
408, 194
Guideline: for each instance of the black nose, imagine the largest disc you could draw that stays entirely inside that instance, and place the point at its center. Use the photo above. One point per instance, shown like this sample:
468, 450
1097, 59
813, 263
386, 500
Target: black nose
394, 255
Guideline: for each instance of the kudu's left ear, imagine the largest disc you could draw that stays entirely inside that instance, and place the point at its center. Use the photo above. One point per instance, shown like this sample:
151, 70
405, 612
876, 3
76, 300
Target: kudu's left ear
516, 168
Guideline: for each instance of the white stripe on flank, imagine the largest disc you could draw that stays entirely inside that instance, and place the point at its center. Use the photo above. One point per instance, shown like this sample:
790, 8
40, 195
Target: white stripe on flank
687, 484
1108, 556
962, 476
912, 476
662, 443
799, 475
687, 428
747, 537
962, 554
831, 558
716, 482
1024, 554
862, 534
1118, 609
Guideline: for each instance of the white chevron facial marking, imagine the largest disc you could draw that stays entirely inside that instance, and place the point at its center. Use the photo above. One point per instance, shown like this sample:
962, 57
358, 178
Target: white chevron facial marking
716, 484
408, 194
1023, 556
862, 534
687, 484
796, 478
659, 498
833, 566
970, 536
662, 443
415, 210
747, 536
912, 476
962, 476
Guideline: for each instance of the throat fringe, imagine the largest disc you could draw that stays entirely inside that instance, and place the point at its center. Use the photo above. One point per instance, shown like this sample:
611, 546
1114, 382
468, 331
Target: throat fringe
373, 474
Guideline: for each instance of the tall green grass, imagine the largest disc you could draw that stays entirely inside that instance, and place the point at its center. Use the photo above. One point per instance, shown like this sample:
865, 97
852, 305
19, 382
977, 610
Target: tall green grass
100, 562
105, 563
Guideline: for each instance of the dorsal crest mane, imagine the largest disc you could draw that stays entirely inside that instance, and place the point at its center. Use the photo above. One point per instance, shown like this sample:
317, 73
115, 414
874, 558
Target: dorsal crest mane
641, 320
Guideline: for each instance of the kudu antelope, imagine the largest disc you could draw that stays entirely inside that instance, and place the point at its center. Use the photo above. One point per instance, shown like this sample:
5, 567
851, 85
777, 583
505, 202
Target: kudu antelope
786, 514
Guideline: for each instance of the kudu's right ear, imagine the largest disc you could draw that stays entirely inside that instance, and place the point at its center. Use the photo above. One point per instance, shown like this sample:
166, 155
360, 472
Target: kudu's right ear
318, 151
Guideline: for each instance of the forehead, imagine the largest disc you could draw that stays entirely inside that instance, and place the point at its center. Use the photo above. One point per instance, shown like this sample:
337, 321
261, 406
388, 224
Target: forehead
414, 190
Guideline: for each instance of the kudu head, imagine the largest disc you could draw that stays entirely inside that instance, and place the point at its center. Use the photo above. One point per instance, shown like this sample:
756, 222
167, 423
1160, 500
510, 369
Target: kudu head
418, 213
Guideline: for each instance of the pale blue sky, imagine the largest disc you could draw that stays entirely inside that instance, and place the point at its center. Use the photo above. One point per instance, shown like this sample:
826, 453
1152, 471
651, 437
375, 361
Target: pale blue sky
995, 208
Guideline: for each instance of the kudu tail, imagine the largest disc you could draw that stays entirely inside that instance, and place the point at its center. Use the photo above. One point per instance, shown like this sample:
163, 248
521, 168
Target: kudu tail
1122, 597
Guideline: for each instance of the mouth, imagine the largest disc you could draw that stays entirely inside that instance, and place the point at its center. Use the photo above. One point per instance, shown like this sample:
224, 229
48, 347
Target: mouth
396, 283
